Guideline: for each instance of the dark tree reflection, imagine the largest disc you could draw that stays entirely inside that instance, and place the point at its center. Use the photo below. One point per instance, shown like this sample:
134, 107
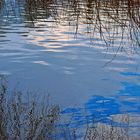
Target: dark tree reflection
112, 19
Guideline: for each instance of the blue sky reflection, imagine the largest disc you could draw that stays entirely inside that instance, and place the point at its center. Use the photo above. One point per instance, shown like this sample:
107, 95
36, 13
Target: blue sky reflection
100, 108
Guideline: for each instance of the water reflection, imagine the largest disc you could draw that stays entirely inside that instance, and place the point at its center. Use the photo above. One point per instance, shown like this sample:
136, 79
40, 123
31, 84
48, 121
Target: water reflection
76, 50
107, 19
111, 20
101, 109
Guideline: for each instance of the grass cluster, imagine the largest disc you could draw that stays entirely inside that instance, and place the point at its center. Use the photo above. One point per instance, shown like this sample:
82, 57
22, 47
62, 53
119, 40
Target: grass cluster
22, 119
27, 120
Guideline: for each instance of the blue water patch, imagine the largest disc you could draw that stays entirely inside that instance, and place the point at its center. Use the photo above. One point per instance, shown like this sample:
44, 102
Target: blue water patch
131, 89
97, 109
100, 108
130, 74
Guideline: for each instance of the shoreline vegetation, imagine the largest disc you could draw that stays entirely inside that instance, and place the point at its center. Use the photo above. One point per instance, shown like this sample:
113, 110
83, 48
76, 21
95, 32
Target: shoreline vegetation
22, 119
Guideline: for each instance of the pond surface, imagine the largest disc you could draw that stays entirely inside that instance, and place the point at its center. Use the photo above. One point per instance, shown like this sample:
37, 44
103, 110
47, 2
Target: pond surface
83, 53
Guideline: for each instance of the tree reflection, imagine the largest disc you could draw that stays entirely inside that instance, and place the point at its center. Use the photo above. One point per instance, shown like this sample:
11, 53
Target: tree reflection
111, 19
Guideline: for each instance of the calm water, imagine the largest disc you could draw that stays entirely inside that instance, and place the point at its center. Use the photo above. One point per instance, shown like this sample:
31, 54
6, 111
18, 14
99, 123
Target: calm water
83, 53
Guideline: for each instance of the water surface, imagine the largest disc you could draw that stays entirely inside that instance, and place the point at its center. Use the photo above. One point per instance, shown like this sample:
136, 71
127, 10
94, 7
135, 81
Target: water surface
83, 53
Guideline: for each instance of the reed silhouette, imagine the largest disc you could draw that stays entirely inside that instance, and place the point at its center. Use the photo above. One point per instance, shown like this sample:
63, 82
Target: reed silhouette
27, 119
